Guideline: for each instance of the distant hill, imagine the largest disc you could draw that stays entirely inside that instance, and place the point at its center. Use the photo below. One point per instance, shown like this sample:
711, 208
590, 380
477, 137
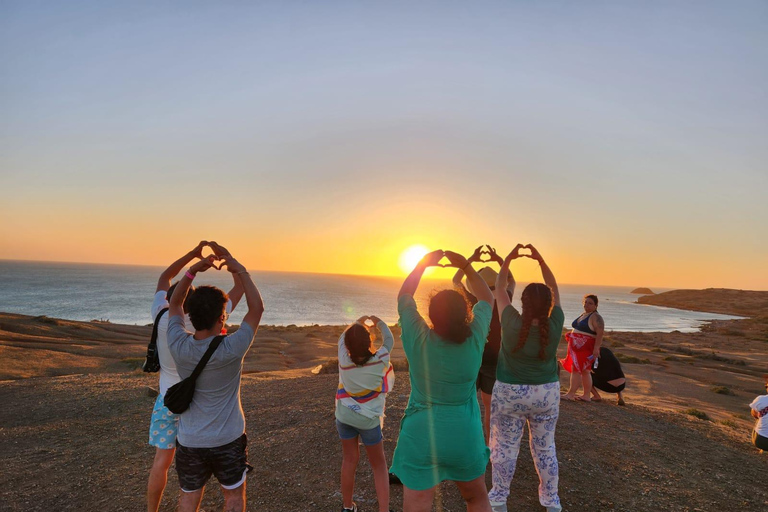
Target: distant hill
713, 300
642, 291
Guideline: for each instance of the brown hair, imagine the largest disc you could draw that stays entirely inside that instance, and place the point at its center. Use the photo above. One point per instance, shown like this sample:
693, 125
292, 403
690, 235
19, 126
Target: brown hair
357, 339
450, 313
169, 294
537, 304
206, 305
591, 296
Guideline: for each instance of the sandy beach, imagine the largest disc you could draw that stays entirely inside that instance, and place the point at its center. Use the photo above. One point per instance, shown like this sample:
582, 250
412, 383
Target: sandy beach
76, 408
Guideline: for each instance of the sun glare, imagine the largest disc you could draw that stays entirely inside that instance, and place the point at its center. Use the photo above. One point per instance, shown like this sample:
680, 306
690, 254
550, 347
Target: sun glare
411, 256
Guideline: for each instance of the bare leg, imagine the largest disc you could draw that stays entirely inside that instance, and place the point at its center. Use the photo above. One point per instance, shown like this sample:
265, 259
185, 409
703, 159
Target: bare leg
621, 399
234, 499
158, 477
350, 449
586, 382
190, 501
475, 494
417, 501
575, 385
486, 416
380, 474
595, 395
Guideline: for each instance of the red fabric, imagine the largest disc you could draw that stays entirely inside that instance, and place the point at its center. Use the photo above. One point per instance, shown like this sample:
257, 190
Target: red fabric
580, 349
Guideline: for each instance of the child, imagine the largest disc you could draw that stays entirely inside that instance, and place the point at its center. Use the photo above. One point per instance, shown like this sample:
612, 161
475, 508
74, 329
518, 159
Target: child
760, 412
365, 378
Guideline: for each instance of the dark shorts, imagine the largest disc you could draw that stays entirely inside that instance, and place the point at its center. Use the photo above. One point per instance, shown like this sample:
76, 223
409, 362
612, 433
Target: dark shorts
486, 378
610, 388
759, 441
228, 463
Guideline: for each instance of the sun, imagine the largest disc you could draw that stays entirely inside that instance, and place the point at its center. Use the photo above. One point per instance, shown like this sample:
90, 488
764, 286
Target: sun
411, 256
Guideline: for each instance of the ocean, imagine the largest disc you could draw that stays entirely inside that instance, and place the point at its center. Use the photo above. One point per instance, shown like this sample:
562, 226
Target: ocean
123, 294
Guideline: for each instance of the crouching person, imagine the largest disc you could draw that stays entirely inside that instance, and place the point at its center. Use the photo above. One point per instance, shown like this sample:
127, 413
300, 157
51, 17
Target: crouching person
211, 437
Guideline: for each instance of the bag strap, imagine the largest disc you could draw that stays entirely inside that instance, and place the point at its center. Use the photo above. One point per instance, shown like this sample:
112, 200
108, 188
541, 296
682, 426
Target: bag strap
215, 342
153, 339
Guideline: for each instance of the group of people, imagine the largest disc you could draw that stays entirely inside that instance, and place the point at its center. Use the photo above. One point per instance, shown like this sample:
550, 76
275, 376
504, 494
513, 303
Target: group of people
475, 339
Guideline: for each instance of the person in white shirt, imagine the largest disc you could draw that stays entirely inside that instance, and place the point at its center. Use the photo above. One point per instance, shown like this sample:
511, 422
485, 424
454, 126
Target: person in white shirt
365, 378
759, 410
164, 424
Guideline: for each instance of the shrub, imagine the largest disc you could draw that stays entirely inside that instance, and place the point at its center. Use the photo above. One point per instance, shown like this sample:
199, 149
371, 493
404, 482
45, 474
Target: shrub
721, 390
616, 343
134, 363
631, 359
729, 423
697, 414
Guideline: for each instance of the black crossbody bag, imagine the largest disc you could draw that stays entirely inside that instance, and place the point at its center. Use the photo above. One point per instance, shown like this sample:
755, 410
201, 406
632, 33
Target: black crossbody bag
152, 361
179, 396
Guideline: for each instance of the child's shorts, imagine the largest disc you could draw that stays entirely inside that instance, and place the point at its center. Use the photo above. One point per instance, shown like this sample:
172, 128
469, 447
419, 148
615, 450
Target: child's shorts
370, 437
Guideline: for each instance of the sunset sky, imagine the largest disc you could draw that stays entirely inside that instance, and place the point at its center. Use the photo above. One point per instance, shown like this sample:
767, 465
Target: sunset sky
626, 140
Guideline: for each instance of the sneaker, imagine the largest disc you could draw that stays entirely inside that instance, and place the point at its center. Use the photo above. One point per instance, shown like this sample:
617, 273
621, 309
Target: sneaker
353, 509
498, 507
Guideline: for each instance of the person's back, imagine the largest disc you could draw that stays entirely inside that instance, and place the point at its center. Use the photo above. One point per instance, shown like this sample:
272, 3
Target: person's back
215, 416
212, 438
759, 411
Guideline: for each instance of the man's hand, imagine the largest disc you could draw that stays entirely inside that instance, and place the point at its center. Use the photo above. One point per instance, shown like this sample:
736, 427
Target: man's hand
456, 259
197, 252
232, 264
218, 250
202, 265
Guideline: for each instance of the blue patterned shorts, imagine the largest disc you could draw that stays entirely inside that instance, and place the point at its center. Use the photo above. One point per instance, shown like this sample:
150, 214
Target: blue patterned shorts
163, 427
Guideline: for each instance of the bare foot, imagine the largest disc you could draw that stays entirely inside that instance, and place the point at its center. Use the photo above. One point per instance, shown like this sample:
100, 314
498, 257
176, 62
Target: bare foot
568, 396
582, 398
620, 401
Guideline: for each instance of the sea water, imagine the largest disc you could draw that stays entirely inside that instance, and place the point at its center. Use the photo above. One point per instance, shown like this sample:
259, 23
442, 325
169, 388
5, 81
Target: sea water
123, 294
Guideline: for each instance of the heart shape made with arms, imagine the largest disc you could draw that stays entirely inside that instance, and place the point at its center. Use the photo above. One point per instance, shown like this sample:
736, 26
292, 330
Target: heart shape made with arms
481, 260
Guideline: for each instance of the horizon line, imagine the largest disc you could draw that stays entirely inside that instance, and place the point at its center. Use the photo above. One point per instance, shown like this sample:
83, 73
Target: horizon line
391, 276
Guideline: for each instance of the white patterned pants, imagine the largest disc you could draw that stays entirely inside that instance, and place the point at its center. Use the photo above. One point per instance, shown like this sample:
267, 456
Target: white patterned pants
512, 406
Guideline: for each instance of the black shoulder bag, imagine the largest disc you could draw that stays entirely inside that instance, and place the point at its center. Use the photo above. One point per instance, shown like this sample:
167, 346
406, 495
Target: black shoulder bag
179, 396
152, 362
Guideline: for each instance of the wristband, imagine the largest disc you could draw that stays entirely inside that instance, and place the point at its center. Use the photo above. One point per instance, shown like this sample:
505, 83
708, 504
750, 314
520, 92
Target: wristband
190, 276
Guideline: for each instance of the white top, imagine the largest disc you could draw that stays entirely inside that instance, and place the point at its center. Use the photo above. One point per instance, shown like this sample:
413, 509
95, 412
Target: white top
168, 373
363, 389
760, 404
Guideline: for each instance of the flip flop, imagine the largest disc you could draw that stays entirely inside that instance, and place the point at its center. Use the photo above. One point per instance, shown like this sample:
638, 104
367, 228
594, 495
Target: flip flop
580, 399
569, 398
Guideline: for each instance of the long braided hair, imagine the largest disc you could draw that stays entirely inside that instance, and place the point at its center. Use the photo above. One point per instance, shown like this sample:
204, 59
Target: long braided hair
537, 304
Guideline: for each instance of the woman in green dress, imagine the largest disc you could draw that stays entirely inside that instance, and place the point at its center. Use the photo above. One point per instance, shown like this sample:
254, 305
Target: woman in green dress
441, 434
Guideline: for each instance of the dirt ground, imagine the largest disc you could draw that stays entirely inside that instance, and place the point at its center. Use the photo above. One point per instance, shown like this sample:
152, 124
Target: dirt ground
75, 414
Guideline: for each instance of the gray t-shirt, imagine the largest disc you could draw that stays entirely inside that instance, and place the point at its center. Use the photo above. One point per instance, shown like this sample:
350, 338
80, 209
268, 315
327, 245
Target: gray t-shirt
215, 416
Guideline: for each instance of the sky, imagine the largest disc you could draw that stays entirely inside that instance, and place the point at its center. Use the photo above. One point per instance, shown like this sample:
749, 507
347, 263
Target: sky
625, 140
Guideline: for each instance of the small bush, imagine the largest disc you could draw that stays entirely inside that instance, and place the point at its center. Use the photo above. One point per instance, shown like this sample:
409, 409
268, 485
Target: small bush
671, 358
722, 390
729, 423
134, 363
616, 343
697, 414
740, 416
631, 359
657, 349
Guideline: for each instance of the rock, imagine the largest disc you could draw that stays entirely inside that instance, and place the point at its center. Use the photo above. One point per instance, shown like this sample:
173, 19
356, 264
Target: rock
642, 291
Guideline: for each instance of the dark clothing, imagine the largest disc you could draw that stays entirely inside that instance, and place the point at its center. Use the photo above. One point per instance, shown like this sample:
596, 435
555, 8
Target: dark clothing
486, 378
583, 326
608, 368
228, 463
759, 441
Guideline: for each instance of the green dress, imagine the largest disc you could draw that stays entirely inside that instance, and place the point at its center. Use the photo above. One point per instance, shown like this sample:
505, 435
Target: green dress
441, 434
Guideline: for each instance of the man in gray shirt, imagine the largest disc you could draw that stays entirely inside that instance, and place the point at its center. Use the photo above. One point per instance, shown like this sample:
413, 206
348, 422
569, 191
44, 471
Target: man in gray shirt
211, 438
